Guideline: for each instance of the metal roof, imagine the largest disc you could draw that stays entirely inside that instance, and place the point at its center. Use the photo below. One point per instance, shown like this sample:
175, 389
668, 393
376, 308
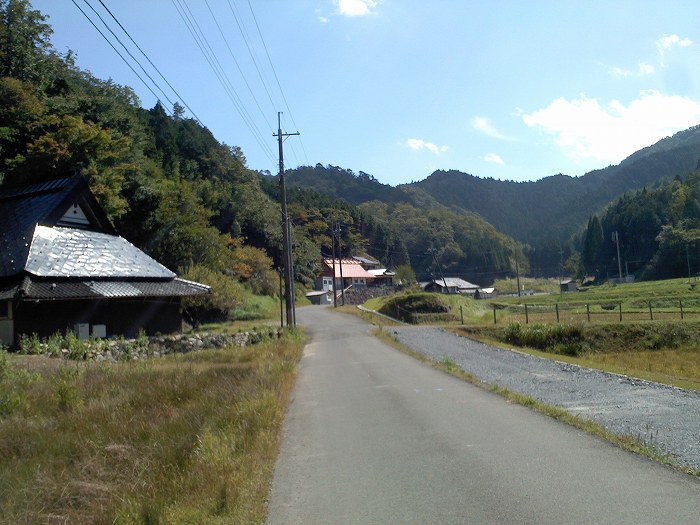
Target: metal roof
69, 252
30, 288
21, 209
455, 282
351, 269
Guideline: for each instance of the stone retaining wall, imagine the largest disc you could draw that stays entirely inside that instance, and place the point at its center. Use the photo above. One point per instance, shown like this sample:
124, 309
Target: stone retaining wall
147, 347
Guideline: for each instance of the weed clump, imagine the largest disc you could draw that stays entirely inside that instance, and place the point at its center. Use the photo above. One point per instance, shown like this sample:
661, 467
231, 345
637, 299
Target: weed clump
410, 306
565, 339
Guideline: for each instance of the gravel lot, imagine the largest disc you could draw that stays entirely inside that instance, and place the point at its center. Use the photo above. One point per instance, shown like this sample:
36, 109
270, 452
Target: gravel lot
664, 417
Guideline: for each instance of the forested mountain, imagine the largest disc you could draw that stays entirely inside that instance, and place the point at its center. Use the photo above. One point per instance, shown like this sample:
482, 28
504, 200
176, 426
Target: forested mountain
192, 203
658, 231
553, 208
429, 236
542, 215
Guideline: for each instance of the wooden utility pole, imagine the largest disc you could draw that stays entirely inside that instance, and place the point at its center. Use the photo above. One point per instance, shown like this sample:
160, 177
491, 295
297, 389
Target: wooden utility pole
616, 240
286, 240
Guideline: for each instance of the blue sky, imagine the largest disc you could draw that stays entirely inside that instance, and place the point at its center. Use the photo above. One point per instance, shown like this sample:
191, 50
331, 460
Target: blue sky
508, 89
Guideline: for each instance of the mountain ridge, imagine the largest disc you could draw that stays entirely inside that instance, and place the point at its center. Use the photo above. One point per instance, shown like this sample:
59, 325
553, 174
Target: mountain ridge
533, 212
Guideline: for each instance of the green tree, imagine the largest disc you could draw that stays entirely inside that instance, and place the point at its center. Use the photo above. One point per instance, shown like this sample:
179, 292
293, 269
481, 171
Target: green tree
25, 48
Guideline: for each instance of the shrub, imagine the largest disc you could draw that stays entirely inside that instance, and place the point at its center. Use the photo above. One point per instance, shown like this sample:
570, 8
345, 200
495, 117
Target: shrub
560, 338
404, 307
30, 344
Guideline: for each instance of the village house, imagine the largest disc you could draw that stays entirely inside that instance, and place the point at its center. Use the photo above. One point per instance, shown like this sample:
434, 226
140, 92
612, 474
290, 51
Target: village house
451, 285
64, 267
351, 270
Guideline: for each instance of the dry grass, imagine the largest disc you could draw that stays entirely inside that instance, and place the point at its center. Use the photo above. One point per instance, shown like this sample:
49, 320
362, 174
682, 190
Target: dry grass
184, 439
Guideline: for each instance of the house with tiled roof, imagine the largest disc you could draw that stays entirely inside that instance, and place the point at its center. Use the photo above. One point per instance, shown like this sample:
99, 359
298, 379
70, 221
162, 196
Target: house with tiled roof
451, 285
64, 267
343, 273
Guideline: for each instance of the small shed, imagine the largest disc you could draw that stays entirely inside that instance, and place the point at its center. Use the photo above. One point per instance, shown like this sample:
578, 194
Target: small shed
320, 297
568, 285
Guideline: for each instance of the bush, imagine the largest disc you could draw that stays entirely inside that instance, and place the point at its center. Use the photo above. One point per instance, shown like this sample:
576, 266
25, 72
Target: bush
404, 307
563, 339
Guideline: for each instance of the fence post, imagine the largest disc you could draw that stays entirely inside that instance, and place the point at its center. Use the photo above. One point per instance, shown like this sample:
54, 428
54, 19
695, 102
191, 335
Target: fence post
588, 312
651, 314
681, 303
527, 320
494, 314
620, 312
461, 314
557, 308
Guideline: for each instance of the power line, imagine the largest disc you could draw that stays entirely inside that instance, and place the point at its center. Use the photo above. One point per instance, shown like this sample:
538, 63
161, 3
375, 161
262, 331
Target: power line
274, 72
209, 55
116, 50
223, 36
246, 39
128, 52
151, 62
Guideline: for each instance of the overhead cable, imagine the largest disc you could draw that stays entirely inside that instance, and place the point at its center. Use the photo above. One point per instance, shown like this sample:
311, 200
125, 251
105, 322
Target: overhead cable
152, 64
117, 51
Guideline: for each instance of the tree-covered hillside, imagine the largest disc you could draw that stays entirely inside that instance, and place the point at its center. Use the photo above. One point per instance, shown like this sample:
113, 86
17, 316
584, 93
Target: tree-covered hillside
167, 184
553, 208
431, 237
658, 231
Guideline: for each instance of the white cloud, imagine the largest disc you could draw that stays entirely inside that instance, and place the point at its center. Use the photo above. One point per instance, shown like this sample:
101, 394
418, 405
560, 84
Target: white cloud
484, 125
420, 144
355, 7
667, 42
495, 159
643, 68
585, 129
323, 19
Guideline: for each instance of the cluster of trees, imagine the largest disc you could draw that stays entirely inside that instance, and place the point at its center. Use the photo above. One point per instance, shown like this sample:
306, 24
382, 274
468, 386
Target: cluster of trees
406, 226
192, 203
658, 231
165, 182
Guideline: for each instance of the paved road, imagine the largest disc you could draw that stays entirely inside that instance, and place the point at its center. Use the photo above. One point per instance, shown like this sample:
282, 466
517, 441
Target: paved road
374, 436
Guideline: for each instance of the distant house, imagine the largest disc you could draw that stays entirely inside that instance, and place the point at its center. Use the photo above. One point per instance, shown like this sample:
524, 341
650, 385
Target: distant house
485, 293
568, 285
382, 277
451, 285
63, 267
367, 262
353, 274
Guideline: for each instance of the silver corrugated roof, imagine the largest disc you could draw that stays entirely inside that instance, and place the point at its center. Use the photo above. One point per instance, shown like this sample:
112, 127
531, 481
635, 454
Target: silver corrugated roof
68, 252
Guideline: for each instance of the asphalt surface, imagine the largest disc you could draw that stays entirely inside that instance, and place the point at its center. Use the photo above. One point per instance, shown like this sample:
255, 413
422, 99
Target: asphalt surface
661, 416
374, 436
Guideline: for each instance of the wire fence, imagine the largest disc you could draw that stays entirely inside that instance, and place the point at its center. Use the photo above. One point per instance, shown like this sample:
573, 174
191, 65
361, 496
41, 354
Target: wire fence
639, 310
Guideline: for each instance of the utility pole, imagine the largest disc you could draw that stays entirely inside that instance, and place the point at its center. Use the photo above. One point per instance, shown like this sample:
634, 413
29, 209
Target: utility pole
286, 241
335, 292
517, 268
616, 239
340, 261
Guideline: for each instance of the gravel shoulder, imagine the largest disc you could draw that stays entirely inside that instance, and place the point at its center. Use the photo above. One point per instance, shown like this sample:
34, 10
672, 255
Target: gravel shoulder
664, 417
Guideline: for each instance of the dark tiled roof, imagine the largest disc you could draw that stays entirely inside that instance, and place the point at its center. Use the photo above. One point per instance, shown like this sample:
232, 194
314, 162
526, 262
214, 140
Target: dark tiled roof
68, 252
58, 289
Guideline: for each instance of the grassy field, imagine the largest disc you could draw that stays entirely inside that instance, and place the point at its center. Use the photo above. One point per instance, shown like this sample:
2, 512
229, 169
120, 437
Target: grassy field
665, 349
188, 438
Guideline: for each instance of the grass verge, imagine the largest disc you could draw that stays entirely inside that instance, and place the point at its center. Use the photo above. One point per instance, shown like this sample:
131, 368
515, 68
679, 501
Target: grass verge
630, 443
188, 438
